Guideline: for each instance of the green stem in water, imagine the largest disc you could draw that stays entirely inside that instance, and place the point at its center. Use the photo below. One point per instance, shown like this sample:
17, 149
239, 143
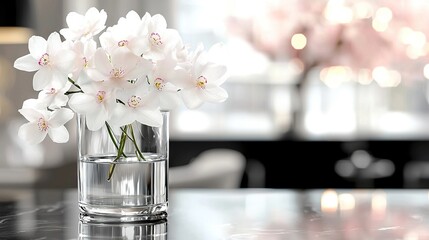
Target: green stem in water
120, 152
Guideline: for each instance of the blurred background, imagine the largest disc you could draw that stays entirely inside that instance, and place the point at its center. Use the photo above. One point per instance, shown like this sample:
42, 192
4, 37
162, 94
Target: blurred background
326, 93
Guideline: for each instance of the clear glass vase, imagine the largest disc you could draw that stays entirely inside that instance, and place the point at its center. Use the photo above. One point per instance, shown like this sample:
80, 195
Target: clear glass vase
130, 188
148, 231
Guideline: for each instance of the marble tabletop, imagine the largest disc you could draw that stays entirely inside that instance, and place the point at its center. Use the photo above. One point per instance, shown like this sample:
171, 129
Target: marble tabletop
343, 214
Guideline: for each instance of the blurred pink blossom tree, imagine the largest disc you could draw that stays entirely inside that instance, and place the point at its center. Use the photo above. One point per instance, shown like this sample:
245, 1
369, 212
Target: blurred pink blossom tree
364, 41
357, 34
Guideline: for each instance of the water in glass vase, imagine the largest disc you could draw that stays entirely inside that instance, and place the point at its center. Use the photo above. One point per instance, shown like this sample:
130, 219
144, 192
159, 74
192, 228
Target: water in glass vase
136, 191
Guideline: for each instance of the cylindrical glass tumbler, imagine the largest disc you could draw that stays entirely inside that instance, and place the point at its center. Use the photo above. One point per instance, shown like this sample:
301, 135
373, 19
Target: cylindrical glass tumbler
126, 187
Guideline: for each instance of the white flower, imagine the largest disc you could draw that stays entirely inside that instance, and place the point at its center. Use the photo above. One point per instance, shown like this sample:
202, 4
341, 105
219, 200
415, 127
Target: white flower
49, 58
141, 69
160, 86
84, 59
137, 106
128, 33
35, 104
203, 83
54, 96
42, 123
119, 68
96, 103
84, 26
160, 40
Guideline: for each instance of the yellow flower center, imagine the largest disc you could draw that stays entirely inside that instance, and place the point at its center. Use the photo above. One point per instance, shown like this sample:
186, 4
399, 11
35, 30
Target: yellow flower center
42, 124
201, 82
44, 60
100, 96
134, 101
122, 43
159, 83
155, 39
85, 62
117, 73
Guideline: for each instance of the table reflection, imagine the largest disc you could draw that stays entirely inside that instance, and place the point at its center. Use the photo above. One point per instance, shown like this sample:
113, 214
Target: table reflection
329, 214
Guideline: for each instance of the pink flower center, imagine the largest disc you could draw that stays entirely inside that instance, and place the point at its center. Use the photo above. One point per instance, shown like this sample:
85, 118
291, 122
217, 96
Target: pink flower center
117, 73
201, 82
42, 124
51, 91
122, 43
100, 96
134, 101
44, 60
159, 83
155, 39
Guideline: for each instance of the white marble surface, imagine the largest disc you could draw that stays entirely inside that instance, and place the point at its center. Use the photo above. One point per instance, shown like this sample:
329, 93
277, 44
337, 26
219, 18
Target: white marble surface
343, 214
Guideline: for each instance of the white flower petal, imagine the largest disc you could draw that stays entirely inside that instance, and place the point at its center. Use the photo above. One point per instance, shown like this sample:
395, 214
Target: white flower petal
214, 94
89, 48
137, 47
181, 78
64, 60
92, 13
143, 68
75, 20
199, 64
26, 63
107, 42
34, 104
30, 114
149, 117
96, 120
59, 134
169, 100
67, 33
159, 22
30, 132
123, 57
37, 46
155, 54
60, 100
42, 78
169, 87
60, 117
58, 78
83, 103
191, 98
96, 20
95, 75
214, 74
121, 116
101, 61
171, 38
54, 43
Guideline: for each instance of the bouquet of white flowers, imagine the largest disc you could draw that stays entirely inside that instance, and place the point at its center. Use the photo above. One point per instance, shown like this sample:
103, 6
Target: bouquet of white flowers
140, 69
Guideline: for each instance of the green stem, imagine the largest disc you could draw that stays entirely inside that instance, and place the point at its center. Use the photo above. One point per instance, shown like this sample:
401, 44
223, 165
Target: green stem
133, 139
74, 83
112, 136
72, 92
120, 152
